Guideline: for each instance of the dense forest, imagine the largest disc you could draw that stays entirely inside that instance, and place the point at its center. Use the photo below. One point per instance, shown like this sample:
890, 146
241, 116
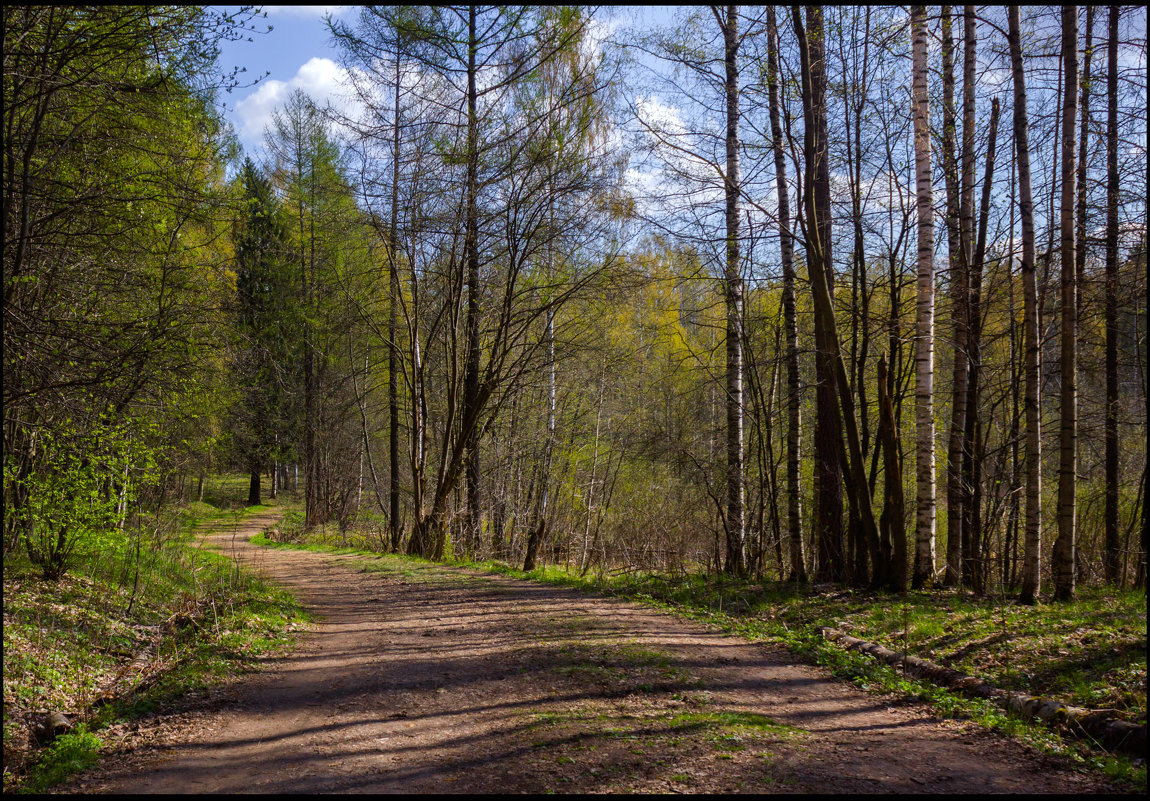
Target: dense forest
809, 294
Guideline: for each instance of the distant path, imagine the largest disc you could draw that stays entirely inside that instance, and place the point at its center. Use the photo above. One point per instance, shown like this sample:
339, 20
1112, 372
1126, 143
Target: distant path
431, 679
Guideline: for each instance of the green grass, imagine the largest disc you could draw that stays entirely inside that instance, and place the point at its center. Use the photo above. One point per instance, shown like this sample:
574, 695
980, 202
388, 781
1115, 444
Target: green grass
729, 729
197, 617
67, 754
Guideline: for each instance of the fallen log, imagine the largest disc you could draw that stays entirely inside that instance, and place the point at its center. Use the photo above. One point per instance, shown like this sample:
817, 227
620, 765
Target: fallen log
1101, 725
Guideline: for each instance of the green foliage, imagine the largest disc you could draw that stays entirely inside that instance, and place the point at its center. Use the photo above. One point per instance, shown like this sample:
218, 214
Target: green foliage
69, 753
78, 500
270, 340
111, 269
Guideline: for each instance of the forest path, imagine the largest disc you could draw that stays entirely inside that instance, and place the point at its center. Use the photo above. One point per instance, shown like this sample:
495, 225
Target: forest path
423, 678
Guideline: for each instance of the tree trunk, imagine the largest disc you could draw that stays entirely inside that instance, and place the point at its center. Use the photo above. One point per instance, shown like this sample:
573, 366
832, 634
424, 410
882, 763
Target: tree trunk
953, 571
1083, 153
1010, 543
827, 514
1113, 554
1032, 544
924, 327
855, 102
956, 546
973, 567
1063, 557
471, 376
818, 197
254, 488
392, 327
736, 558
790, 320
891, 522
311, 511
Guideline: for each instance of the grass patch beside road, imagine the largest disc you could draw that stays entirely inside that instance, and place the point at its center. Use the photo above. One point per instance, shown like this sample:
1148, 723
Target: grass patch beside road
110, 641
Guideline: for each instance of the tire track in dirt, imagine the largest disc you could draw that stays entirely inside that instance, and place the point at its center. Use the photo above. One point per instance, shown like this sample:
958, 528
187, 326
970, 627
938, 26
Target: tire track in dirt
431, 679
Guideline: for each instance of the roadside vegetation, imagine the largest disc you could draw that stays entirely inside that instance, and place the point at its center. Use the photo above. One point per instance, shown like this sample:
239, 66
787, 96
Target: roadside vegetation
1091, 652
126, 633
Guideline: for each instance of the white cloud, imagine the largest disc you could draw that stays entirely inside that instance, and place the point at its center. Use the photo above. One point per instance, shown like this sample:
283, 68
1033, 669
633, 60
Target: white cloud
321, 78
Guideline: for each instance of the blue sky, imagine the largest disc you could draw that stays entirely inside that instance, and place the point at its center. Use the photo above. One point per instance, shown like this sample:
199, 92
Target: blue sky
298, 55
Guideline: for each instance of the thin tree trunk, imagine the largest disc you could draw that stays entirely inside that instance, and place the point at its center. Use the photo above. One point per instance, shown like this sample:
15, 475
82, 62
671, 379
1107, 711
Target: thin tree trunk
1083, 153
365, 441
1032, 543
392, 327
790, 321
860, 297
311, 510
1113, 554
956, 546
736, 558
924, 326
471, 375
1063, 558
769, 484
537, 530
973, 568
1085, 86
585, 561
1010, 546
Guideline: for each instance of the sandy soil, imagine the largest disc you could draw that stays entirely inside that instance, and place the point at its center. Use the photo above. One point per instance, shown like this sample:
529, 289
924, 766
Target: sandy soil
433, 679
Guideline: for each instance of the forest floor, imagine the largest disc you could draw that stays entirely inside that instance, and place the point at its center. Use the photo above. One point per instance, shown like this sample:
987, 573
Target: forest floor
425, 678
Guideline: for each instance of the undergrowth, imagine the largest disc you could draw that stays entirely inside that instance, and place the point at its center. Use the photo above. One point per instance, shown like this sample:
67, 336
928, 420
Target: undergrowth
181, 615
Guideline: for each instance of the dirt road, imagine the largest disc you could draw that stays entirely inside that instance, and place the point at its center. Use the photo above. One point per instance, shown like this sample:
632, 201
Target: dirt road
432, 679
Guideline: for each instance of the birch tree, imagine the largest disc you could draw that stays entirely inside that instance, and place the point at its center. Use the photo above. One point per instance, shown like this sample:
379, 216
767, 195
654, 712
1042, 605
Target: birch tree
733, 281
